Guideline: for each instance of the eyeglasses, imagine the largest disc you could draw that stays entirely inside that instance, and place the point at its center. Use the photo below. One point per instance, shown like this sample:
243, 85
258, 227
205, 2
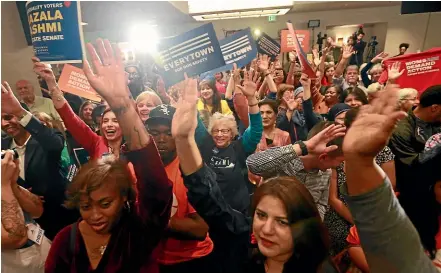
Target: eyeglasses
222, 131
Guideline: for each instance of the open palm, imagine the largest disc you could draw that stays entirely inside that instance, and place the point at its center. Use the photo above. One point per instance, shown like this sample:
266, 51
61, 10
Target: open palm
110, 78
9, 103
185, 119
318, 144
249, 87
374, 125
264, 62
394, 71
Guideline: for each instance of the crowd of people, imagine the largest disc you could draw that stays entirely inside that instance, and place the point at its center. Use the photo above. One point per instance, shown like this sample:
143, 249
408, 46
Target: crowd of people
257, 169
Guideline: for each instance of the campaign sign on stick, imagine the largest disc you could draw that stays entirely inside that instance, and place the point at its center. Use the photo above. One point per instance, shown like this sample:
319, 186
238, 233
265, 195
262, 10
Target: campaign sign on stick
287, 41
56, 31
240, 48
268, 46
193, 52
306, 67
74, 81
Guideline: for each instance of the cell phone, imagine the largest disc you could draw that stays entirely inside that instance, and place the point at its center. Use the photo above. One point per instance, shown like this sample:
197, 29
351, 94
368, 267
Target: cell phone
15, 154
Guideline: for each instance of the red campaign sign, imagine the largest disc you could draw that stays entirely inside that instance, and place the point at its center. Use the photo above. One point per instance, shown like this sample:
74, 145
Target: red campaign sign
287, 42
421, 70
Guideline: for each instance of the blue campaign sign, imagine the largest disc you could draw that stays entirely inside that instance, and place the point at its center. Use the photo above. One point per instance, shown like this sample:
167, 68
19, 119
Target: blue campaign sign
267, 45
56, 31
239, 48
193, 52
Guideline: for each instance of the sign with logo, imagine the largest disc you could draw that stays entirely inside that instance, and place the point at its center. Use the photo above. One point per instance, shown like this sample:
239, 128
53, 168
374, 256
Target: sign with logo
421, 70
272, 18
268, 46
56, 31
74, 81
287, 41
193, 52
239, 48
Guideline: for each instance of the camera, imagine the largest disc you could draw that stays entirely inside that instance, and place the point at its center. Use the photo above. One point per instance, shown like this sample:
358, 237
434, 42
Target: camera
15, 154
373, 41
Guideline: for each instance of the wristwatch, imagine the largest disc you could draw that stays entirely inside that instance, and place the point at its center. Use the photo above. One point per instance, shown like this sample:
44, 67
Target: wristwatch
302, 147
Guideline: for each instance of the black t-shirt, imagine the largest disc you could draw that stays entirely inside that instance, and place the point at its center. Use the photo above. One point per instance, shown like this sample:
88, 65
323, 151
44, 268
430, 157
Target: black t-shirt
229, 164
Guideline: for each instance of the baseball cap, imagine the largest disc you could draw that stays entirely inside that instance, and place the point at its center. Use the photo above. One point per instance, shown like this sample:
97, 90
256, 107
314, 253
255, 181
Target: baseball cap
162, 113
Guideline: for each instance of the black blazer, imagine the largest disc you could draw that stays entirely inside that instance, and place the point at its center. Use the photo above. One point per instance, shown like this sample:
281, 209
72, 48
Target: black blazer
43, 174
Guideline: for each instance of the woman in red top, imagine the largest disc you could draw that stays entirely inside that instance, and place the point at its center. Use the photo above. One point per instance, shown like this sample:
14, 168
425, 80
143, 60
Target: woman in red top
221, 85
115, 234
111, 137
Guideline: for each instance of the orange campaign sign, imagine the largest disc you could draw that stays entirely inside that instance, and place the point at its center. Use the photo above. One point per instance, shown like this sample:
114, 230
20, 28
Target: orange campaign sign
287, 43
74, 81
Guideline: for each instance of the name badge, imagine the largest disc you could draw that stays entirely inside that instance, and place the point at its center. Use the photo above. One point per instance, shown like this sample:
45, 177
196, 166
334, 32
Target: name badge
35, 233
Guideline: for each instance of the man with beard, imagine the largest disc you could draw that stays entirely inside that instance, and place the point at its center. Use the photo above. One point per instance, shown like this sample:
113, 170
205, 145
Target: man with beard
187, 245
136, 77
351, 72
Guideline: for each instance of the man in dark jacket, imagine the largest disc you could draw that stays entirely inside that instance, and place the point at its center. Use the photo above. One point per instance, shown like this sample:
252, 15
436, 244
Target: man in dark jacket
407, 143
39, 149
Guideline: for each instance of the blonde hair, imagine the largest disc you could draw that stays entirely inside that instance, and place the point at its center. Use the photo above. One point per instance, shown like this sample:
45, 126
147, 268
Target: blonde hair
403, 93
150, 93
228, 120
42, 116
374, 88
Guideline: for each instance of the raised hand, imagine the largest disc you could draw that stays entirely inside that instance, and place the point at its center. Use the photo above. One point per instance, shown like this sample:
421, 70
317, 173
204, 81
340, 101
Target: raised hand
160, 87
374, 125
236, 74
44, 71
380, 57
264, 63
110, 78
249, 87
291, 103
315, 52
393, 72
9, 103
185, 119
305, 81
317, 144
347, 51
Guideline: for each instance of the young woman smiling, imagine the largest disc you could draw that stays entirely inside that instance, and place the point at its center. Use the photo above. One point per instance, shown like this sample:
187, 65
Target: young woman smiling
111, 136
211, 100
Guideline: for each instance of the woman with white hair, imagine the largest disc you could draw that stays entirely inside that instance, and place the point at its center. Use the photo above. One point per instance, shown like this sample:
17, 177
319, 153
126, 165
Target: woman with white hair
227, 156
408, 99
374, 68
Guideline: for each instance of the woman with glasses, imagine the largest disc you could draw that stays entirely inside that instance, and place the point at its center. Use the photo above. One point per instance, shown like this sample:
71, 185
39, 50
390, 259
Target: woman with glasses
408, 99
226, 156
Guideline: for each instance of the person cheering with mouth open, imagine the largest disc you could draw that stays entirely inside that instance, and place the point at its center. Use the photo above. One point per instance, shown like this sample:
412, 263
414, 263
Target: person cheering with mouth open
120, 226
111, 138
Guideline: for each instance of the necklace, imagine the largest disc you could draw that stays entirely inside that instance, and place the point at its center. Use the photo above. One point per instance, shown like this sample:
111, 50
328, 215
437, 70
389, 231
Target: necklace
102, 249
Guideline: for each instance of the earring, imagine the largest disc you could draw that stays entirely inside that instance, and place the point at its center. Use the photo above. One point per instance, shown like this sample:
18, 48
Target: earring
127, 206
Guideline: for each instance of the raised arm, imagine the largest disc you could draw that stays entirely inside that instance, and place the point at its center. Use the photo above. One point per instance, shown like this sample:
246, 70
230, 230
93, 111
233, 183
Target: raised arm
292, 68
308, 112
13, 225
264, 68
252, 135
387, 236
203, 191
346, 55
49, 139
287, 160
154, 188
77, 127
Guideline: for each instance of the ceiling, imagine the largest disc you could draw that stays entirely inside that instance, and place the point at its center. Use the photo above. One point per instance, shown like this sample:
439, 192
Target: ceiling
120, 15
